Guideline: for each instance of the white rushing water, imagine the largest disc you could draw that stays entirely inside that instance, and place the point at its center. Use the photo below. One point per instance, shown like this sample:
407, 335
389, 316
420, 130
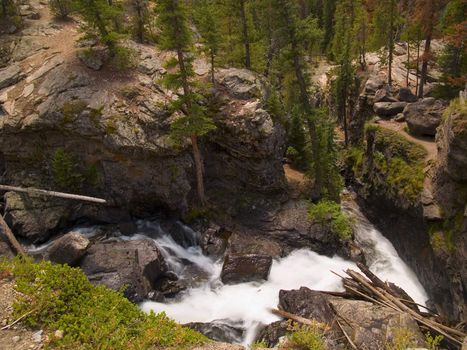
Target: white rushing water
249, 304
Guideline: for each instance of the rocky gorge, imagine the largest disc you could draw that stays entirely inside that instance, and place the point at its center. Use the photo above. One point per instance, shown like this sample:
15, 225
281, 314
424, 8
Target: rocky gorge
70, 124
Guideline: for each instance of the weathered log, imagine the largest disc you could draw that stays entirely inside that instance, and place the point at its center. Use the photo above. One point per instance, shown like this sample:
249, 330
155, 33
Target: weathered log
299, 319
36, 191
11, 237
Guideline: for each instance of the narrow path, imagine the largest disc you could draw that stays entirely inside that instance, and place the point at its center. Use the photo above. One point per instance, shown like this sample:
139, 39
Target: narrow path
428, 143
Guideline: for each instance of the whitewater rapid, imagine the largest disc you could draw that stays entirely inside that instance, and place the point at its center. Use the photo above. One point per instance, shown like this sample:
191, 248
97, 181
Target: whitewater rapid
249, 304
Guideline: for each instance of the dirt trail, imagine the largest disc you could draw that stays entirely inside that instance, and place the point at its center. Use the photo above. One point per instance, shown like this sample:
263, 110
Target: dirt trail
428, 143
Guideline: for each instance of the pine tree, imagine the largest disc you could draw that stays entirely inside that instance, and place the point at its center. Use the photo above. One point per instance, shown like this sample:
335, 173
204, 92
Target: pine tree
99, 17
453, 61
293, 37
207, 14
175, 36
385, 21
427, 13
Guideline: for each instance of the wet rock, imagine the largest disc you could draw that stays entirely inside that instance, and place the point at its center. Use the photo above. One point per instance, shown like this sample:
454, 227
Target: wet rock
136, 264
306, 303
214, 241
10, 75
400, 118
68, 249
272, 333
424, 117
246, 243
388, 109
245, 268
169, 287
218, 331
406, 95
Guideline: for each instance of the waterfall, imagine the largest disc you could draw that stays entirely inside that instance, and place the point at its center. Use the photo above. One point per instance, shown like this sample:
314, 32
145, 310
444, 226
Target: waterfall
249, 304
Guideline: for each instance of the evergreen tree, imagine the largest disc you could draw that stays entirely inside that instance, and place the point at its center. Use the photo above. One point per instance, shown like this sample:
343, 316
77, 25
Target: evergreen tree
99, 17
175, 36
427, 13
139, 18
293, 37
453, 61
385, 21
206, 14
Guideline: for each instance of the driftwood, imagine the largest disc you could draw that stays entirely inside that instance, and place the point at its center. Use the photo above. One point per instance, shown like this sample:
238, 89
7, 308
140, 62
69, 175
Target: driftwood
37, 191
389, 295
299, 319
11, 237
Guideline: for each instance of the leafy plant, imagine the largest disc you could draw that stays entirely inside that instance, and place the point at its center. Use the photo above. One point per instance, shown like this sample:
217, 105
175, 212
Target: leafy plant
325, 212
58, 297
402, 339
433, 343
65, 170
305, 338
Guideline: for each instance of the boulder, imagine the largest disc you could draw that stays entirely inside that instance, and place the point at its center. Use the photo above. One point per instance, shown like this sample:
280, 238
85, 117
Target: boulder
92, 58
388, 109
245, 268
68, 249
35, 218
424, 117
218, 331
384, 95
272, 333
306, 303
10, 75
373, 84
136, 265
214, 241
241, 83
372, 326
406, 95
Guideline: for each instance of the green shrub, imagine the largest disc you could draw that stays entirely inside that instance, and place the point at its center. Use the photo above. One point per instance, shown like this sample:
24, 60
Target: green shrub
72, 109
306, 338
122, 58
326, 211
60, 8
402, 339
58, 297
65, 171
432, 343
259, 345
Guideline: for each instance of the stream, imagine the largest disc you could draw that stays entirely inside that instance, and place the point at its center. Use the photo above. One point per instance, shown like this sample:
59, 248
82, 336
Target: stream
247, 306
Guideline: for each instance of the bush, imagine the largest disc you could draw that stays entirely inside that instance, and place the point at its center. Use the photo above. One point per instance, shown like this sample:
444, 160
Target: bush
306, 338
122, 58
327, 211
402, 339
60, 8
58, 297
65, 171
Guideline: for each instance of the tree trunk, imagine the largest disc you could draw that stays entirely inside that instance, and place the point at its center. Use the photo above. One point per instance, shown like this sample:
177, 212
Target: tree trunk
199, 168
391, 45
140, 21
408, 65
194, 138
246, 40
213, 80
418, 67
4, 8
426, 57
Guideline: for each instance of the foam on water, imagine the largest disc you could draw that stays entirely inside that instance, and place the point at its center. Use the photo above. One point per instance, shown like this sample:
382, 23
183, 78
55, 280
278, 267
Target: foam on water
250, 303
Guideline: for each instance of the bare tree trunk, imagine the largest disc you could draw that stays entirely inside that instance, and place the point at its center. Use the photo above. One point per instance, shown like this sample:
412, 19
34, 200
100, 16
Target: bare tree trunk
194, 139
408, 65
199, 169
4, 8
11, 237
246, 40
426, 57
418, 67
139, 20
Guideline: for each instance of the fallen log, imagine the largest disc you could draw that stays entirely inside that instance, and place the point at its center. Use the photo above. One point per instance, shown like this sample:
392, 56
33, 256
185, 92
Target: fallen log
11, 237
36, 191
299, 319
